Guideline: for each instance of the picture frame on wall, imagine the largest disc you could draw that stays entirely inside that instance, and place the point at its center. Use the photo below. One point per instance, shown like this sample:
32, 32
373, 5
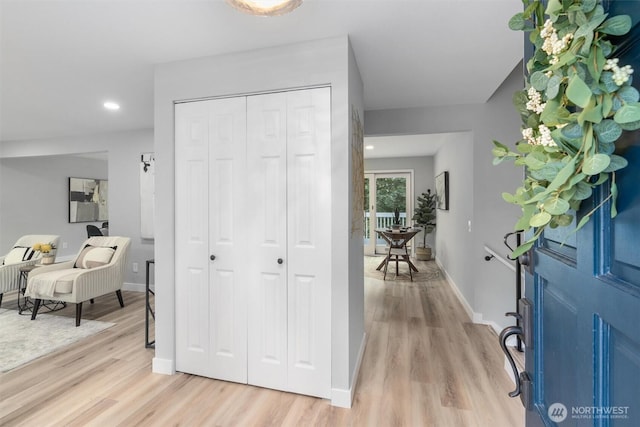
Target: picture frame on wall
88, 200
442, 191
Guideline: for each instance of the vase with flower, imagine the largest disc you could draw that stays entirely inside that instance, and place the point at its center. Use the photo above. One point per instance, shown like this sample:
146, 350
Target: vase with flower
396, 220
46, 249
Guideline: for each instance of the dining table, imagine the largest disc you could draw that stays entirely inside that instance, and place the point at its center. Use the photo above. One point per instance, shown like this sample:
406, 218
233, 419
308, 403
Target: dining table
397, 240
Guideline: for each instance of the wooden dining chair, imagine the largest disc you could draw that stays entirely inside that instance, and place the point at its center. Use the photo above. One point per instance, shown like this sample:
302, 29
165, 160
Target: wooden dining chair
398, 250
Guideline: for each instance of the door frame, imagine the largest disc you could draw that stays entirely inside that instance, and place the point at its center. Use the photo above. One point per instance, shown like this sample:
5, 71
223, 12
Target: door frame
371, 249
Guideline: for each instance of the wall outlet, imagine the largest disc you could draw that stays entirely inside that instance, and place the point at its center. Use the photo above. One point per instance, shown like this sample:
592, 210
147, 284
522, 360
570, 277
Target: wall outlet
135, 267
64, 245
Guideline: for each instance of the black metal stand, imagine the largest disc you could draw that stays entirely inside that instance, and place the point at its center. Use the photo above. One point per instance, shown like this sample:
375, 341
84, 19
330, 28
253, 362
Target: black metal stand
148, 309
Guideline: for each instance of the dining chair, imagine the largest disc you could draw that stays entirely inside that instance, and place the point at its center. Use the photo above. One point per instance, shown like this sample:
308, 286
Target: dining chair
92, 231
398, 250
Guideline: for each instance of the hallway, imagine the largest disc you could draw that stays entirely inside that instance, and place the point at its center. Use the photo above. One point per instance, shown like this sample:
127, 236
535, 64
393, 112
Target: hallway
426, 364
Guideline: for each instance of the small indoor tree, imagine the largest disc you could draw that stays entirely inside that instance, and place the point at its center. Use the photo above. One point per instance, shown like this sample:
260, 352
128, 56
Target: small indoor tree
425, 217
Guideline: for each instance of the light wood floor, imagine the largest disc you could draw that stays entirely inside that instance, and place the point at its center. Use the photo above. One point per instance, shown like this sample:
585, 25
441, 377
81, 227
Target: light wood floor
425, 365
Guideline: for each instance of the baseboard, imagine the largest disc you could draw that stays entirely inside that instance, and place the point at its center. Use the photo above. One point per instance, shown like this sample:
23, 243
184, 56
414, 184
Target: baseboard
465, 304
135, 287
341, 397
344, 398
476, 318
494, 326
508, 370
518, 358
163, 366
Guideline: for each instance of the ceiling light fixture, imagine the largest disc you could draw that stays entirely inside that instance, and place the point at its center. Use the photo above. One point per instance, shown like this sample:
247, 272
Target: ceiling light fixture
111, 106
369, 147
265, 7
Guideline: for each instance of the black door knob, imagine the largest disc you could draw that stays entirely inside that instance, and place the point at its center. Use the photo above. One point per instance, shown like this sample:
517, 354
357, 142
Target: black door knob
212, 257
280, 260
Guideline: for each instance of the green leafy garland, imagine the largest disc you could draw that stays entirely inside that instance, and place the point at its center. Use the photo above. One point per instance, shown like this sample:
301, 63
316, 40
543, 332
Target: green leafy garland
575, 106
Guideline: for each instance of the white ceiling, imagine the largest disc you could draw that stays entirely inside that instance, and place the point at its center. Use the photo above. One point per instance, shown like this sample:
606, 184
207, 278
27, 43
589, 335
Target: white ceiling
61, 59
382, 147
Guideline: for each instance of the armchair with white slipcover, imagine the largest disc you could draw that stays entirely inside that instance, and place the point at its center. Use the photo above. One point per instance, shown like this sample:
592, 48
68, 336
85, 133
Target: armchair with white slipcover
22, 255
97, 270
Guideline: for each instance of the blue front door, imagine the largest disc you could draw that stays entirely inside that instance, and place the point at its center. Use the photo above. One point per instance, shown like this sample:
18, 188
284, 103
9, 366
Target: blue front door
585, 359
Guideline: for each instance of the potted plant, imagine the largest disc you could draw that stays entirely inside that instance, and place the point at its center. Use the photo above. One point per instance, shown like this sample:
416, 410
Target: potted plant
425, 217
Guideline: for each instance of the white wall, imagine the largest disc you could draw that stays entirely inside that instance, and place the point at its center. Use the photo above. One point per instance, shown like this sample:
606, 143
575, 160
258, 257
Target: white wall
423, 175
488, 287
123, 157
323, 62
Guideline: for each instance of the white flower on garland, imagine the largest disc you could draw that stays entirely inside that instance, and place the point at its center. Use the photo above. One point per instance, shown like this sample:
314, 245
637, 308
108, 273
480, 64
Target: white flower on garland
534, 103
552, 45
620, 75
543, 138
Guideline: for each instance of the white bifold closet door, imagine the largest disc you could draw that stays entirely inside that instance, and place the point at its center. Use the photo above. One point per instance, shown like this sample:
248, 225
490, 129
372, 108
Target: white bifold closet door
211, 309
259, 200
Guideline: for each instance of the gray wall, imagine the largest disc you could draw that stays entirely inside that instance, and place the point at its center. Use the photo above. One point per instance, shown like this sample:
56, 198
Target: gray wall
123, 154
36, 198
324, 62
487, 287
423, 174
452, 233
495, 287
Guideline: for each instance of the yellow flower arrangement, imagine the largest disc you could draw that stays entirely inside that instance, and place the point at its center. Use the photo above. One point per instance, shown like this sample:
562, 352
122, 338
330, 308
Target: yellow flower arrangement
45, 248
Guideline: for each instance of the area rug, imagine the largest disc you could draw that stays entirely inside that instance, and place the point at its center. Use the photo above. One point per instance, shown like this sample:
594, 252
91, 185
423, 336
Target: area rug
428, 270
23, 340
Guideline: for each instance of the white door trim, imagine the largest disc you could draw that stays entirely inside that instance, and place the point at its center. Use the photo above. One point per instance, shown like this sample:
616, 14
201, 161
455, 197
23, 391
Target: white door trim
410, 195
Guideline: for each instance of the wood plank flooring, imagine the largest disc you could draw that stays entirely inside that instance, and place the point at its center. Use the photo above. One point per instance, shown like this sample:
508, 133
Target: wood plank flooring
425, 365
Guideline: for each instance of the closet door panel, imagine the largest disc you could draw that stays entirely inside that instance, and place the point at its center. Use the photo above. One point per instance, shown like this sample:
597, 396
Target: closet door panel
309, 241
192, 236
266, 221
227, 187
253, 244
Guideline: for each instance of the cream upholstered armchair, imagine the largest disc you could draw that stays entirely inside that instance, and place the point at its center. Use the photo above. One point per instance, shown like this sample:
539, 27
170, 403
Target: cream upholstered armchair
22, 255
97, 270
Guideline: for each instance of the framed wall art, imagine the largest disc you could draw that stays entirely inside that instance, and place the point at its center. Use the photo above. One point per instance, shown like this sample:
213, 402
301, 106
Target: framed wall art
88, 200
442, 191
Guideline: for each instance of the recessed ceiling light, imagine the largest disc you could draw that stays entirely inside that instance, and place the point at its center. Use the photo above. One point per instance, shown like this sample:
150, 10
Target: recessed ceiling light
265, 7
111, 106
369, 147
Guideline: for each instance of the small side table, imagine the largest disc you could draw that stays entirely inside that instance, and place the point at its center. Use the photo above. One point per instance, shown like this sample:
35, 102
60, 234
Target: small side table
148, 309
27, 304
